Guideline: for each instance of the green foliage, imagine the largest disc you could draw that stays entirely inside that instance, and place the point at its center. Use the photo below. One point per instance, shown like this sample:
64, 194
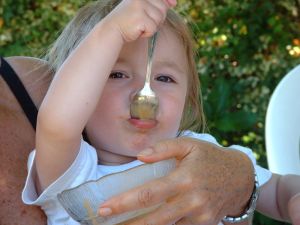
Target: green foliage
27, 27
244, 48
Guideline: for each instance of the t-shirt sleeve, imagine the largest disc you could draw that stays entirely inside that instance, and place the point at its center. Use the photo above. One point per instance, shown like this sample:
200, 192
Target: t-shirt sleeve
83, 168
263, 174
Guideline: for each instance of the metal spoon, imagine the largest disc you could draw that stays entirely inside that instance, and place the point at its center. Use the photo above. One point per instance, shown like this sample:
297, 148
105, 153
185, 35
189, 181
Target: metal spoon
144, 104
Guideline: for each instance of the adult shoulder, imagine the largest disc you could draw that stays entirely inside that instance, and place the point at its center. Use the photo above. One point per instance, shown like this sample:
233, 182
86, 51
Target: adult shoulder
17, 139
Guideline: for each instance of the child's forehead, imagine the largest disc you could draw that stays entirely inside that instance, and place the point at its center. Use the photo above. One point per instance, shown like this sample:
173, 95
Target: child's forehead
169, 52
168, 44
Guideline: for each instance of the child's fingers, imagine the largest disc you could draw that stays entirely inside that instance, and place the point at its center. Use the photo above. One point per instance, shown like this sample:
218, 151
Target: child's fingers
148, 28
160, 5
136, 18
171, 3
157, 12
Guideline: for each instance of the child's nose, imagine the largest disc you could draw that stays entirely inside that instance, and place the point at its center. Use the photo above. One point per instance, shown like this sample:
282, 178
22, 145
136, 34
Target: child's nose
134, 91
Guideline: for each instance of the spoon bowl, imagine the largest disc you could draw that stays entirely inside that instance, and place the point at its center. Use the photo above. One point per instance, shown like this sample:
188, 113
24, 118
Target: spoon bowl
144, 104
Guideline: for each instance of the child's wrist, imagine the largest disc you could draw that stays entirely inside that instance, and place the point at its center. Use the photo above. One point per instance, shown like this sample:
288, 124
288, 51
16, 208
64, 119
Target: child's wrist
112, 29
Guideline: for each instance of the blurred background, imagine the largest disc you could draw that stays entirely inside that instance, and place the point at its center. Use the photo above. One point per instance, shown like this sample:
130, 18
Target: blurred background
244, 48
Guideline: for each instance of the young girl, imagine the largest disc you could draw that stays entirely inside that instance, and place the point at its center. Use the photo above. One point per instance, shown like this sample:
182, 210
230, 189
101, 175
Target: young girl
101, 72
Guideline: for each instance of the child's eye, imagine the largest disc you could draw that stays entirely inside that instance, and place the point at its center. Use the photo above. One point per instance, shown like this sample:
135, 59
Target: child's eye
117, 75
165, 78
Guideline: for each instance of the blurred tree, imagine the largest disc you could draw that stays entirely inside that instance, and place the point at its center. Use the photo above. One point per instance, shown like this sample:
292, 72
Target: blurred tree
243, 50
27, 27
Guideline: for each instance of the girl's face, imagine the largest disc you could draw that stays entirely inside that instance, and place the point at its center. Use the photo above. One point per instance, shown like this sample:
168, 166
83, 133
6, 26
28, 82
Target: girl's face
112, 131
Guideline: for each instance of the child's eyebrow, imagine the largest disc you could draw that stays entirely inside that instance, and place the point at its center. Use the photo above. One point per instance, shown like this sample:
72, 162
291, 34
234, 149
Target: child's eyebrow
169, 64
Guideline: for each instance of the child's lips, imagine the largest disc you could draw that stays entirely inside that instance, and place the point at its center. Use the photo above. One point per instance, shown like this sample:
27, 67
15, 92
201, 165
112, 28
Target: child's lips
143, 124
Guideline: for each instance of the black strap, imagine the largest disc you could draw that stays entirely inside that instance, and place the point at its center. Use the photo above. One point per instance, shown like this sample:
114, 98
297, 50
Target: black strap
18, 89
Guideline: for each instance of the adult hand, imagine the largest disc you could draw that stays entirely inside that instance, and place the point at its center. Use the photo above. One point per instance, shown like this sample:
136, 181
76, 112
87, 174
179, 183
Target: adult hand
207, 184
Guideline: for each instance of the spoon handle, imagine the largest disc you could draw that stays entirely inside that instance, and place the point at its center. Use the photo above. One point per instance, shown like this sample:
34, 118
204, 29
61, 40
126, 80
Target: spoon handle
151, 46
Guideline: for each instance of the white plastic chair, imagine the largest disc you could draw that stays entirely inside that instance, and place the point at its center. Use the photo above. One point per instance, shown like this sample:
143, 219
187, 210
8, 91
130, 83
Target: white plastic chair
283, 125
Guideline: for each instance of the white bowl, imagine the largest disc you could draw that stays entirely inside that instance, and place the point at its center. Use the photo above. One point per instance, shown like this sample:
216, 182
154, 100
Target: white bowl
82, 202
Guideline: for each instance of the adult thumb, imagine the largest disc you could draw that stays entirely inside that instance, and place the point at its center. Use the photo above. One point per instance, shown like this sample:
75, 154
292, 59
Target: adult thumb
173, 148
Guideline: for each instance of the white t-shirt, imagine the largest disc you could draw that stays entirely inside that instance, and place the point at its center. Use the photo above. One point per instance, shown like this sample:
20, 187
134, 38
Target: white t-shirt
85, 168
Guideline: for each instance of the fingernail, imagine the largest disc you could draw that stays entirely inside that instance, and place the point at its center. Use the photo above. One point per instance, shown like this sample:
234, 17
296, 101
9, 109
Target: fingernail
146, 152
105, 211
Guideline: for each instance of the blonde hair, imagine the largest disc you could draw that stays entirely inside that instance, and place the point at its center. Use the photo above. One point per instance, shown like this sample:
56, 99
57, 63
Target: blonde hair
89, 15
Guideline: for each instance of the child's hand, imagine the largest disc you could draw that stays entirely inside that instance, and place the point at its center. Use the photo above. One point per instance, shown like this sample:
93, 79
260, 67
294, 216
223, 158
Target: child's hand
138, 18
294, 209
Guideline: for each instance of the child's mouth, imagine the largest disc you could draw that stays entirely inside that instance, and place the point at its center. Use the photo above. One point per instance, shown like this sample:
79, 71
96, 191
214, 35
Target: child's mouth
142, 124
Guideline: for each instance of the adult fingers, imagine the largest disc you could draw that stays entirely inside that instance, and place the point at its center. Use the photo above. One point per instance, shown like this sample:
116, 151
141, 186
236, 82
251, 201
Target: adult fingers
147, 195
175, 210
169, 212
162, 216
